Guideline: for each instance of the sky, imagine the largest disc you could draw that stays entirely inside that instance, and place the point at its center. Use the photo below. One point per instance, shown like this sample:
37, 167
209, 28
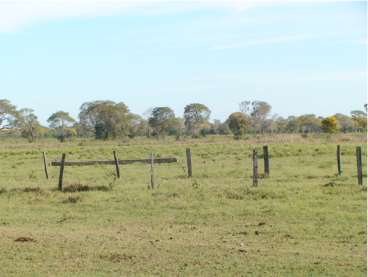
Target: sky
299, 56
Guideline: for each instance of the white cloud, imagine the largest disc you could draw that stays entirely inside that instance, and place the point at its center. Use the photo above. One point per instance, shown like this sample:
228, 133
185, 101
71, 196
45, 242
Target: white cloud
262, 41
16, 14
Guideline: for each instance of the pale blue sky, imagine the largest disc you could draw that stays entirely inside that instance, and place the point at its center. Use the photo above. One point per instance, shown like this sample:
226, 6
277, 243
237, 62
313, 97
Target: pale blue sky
300, 57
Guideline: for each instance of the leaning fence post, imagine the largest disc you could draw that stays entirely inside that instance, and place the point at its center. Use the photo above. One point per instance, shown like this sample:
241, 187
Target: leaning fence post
45, 165
61, 175
152, 172
116, 165
266, 161
189, 162
255, 168
359, 165
338, 156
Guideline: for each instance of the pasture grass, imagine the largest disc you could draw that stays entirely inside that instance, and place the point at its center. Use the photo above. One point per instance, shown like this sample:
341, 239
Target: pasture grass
303, 220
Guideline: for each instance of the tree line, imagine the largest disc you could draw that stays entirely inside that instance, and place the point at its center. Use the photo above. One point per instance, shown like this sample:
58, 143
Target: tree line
110, 120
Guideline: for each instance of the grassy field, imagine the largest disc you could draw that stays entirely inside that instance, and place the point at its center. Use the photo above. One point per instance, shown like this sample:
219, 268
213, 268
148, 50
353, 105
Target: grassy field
303, 220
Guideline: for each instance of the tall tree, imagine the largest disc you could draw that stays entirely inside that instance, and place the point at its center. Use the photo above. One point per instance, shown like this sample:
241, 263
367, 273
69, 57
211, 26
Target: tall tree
28, 122
239, 123
258, 111
8, 114
196, 116
162, 120
60, 122
259, 114
360, 119
106, 119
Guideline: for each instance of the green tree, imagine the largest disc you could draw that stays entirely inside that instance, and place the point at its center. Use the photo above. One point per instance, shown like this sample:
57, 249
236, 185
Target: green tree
360, 119
61, 122
309, 123
258, 111
196, 117
28, 123
138, 126
8, 114
259, 114
177, 127
345, 122
329, 124
292, 124
280, 124
239, 124
161, 120
106, 119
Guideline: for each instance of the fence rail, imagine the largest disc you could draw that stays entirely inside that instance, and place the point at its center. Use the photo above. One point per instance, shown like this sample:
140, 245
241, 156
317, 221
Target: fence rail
112, 162
62, 163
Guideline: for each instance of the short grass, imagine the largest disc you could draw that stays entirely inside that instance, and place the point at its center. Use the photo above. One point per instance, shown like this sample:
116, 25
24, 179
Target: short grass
303, 220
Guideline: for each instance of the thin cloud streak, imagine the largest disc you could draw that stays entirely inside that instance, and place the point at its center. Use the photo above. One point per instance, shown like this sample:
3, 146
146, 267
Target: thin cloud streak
18, 14
265, 41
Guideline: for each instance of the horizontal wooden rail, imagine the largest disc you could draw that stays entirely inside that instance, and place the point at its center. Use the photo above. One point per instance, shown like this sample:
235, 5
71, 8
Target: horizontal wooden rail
121, 162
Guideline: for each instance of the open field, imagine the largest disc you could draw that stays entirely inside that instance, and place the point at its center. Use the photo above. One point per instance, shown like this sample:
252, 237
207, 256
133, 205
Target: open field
303, 220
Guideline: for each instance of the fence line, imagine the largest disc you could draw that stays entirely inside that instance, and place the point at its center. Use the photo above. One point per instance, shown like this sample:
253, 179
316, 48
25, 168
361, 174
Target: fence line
152, 160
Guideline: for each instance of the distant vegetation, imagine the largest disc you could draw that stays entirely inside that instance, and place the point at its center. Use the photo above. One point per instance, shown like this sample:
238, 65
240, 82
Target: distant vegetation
110, 120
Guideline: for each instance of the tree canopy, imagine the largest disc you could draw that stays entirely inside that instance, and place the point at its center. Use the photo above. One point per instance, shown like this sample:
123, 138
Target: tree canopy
61, 122
239, 123
8, 114
196, 116
28, 122
330, 124
258, 112
162, 119
107, 119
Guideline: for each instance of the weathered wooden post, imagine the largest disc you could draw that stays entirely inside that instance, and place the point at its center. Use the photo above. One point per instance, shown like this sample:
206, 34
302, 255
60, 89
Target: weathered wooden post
116, 165
359, 165
61, 175
266, 161
45, 165
152, 171
189, 162
338, 156
255, 168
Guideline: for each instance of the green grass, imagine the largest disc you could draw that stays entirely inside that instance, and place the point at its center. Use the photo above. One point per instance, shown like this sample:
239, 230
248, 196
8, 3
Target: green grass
301, 221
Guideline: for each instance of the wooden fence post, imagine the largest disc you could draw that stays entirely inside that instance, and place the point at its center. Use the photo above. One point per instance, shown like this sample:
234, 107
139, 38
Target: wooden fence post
152, 172
45, 165
117, 165
189, 162
359, 165
61, 175
338, 156
266, 161
255, 168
